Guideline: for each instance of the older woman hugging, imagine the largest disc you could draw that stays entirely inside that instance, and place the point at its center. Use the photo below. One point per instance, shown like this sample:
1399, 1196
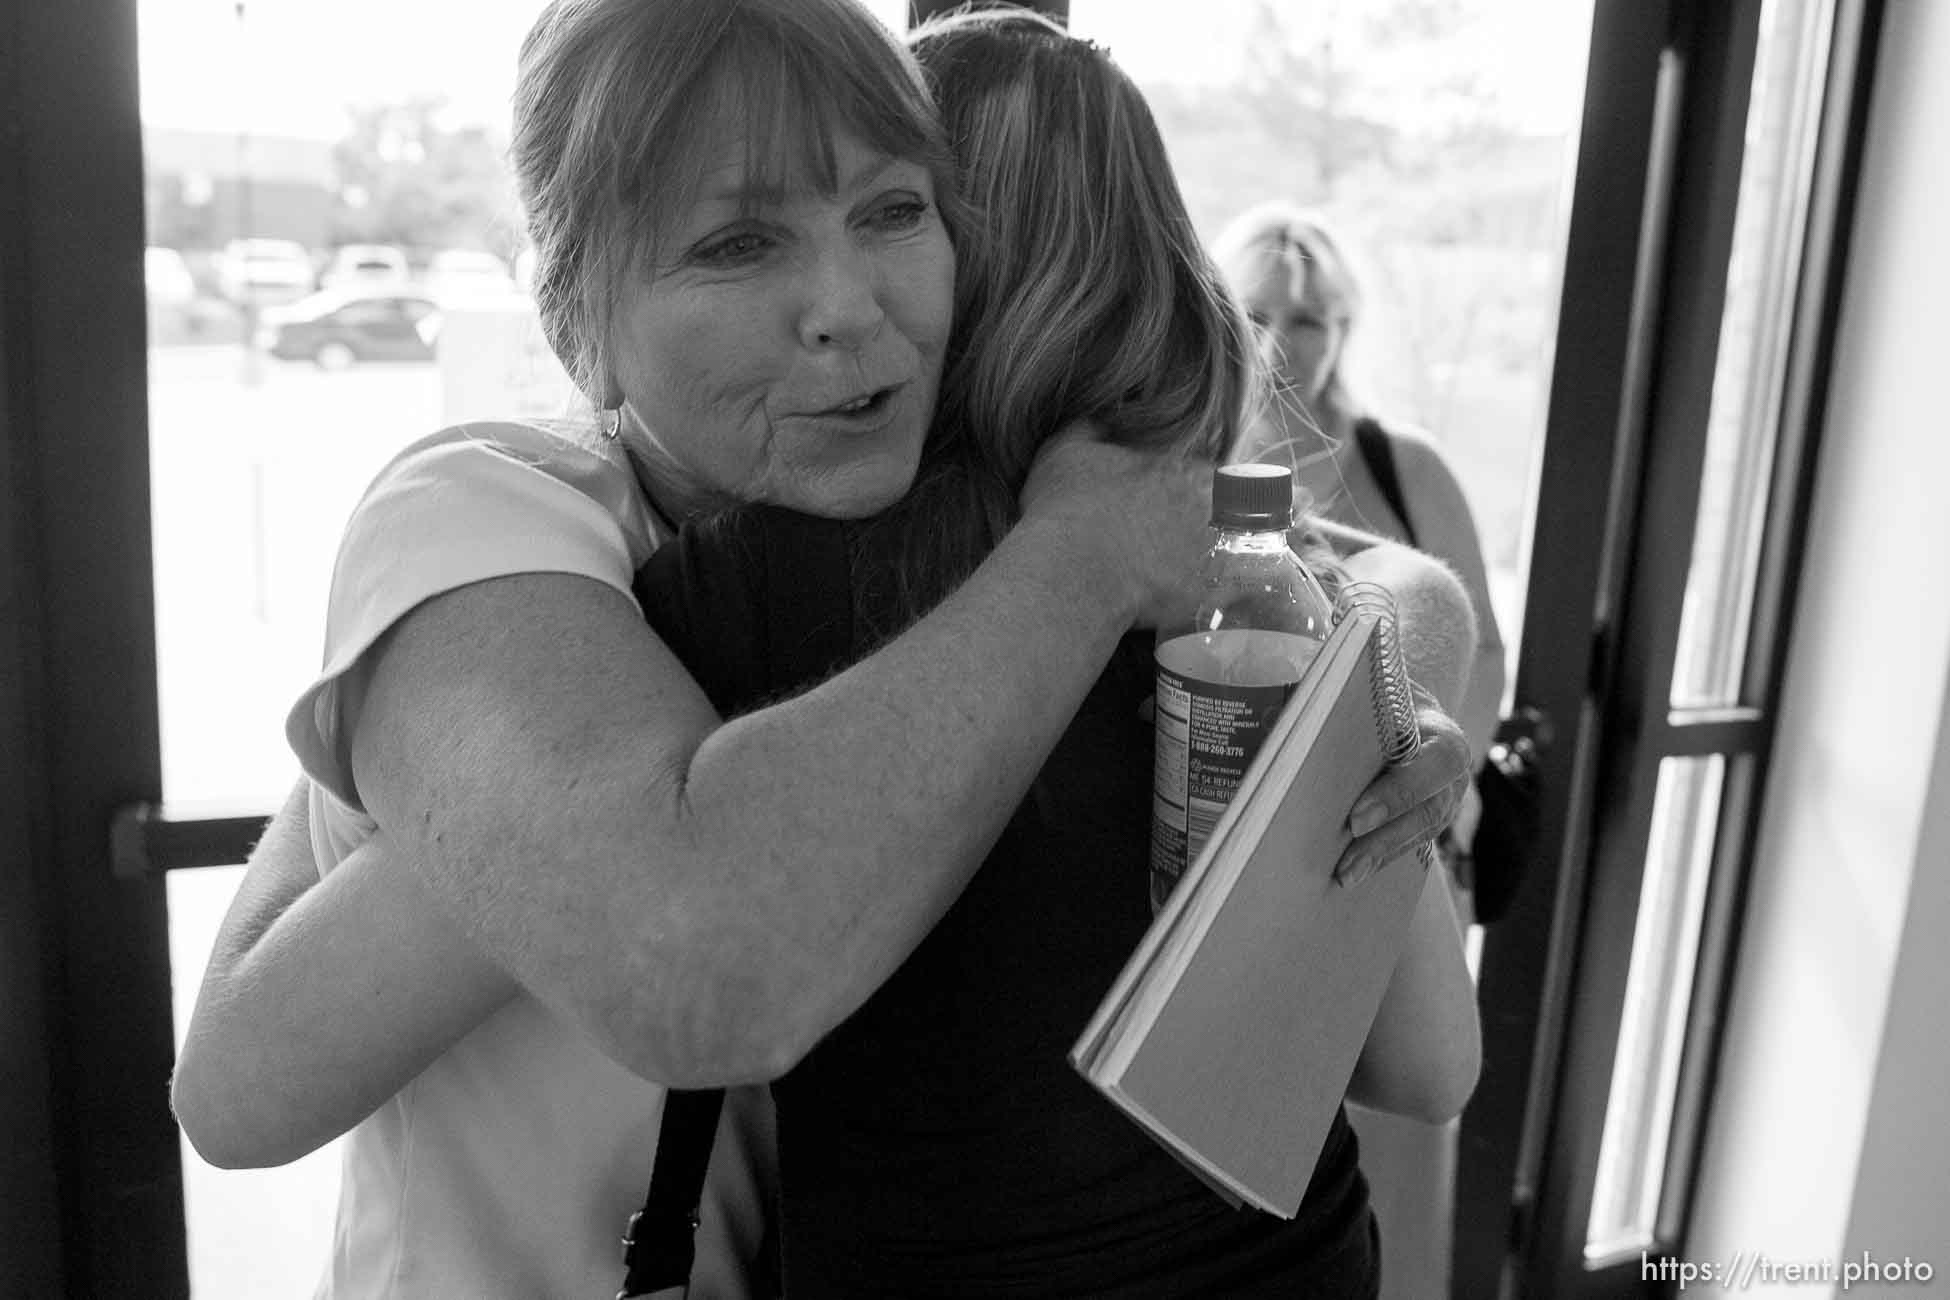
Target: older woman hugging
545, 852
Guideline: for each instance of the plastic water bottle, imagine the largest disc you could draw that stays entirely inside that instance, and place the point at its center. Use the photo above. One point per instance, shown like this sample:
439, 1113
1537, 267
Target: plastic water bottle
1223, 679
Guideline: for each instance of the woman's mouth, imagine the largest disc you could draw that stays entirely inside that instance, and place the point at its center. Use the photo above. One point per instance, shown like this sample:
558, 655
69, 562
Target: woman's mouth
865, 404
864, 412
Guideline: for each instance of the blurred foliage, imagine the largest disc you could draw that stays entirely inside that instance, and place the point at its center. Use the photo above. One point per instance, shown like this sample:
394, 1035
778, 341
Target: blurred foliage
407, 178
1375, 115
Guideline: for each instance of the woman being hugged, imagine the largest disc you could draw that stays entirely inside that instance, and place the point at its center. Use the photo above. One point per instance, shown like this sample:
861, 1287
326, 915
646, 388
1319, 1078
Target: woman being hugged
937, 1142
751, 276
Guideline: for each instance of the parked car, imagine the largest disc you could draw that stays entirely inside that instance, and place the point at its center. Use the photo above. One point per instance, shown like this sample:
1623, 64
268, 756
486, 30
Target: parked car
336, 329
264, 272
455, 274
366, 266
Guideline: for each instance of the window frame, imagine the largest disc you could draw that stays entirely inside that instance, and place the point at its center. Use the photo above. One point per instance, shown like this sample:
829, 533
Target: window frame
95, 1149
1658, 181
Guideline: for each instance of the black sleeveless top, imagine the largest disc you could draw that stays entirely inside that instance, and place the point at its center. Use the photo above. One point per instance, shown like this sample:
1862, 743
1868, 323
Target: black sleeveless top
938, 1143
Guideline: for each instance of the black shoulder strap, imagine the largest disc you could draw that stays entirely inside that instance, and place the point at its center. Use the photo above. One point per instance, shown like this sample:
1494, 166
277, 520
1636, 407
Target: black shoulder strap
757, 603
661, 1242
1372, 441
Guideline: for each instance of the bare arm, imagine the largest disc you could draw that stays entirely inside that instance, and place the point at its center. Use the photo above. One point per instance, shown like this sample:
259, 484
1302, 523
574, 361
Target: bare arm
707, 899
321, 1000
377, 978
1424, 1050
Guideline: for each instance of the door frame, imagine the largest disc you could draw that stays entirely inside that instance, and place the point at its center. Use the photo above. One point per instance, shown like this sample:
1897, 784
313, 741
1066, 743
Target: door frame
94, 1178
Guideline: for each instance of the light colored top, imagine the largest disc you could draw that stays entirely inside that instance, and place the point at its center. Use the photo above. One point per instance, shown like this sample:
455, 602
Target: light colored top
510, 1166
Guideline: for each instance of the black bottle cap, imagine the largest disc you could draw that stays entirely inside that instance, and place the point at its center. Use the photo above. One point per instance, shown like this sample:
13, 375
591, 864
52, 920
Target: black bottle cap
1255, 497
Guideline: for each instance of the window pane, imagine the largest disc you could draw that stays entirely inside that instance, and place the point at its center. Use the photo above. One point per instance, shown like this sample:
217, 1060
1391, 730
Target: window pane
1762, 275
1439, 140
1658, 995
331, 273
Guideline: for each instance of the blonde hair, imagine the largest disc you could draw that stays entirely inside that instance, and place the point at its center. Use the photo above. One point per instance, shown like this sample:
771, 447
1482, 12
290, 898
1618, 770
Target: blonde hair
1082, 289
1304, 245
1086, 291
617, 102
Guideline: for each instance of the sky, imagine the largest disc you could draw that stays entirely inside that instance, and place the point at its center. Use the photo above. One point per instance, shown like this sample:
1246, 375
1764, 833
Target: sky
290, 67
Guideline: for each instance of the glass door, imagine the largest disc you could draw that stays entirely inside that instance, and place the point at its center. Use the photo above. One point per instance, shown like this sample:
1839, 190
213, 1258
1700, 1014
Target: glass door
325, 199
1438, 141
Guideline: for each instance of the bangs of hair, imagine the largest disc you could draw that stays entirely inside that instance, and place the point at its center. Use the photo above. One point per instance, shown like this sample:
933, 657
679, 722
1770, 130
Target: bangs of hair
1279, 234
776, 89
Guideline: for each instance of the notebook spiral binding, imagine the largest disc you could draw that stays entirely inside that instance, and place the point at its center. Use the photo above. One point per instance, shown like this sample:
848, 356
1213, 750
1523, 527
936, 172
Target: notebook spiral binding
1401, 735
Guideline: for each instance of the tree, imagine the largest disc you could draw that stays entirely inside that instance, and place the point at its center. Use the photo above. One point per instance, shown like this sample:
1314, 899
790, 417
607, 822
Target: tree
1359, 85
407, 179
1299, 85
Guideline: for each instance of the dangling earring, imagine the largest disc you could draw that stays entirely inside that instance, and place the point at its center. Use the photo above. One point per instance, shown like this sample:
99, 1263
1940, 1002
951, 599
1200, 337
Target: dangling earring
612, 422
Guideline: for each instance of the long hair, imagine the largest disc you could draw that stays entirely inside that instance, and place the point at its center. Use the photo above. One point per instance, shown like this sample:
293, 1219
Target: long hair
618, 103
1302, 245
1082, 290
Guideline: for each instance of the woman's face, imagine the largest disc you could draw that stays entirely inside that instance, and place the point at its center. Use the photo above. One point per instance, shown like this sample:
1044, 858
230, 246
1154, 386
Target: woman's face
787, 346
1300, 332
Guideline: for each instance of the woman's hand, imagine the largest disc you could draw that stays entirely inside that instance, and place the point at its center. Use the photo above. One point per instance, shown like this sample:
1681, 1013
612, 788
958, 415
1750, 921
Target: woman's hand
1408, 806
1139, 515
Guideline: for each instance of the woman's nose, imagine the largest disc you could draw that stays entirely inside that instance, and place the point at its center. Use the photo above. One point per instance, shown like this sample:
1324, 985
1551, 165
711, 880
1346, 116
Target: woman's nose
843, 307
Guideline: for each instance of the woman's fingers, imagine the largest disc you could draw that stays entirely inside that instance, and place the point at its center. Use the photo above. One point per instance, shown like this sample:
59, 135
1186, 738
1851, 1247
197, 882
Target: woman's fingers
1409, 805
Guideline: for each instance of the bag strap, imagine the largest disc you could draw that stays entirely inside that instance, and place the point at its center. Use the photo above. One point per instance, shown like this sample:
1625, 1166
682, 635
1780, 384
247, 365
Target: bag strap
1376, 453
660, 1243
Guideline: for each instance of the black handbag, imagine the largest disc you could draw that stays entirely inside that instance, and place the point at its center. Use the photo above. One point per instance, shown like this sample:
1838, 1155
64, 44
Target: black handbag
1510, 785
1509, 782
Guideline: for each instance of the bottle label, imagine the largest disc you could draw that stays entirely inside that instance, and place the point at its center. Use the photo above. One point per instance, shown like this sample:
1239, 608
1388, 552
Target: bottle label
1218, 694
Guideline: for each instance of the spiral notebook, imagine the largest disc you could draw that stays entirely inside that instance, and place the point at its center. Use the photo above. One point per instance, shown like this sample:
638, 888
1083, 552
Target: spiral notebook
1234, 1028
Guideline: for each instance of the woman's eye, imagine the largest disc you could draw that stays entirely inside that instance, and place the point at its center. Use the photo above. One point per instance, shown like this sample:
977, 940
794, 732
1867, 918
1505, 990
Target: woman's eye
735, 249
900, 214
